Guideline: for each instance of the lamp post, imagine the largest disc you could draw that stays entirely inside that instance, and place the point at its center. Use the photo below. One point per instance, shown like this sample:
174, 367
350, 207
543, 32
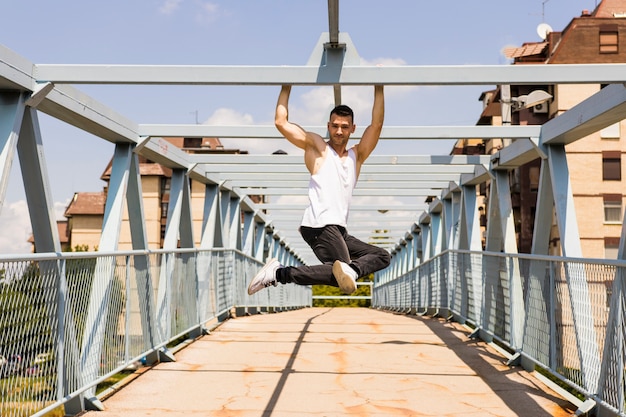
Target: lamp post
510, 104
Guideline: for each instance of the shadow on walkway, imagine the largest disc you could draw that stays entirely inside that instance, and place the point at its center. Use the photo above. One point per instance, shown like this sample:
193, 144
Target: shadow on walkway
335, 362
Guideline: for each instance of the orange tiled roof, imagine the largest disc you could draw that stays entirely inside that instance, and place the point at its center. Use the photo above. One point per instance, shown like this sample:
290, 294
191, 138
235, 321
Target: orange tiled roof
86, 203
63, 235
528, 49
145, 168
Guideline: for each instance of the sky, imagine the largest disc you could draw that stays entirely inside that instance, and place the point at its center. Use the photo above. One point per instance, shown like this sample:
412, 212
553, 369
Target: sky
253, 32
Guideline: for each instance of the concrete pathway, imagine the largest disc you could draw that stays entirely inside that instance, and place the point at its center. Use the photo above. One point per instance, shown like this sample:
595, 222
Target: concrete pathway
336, 362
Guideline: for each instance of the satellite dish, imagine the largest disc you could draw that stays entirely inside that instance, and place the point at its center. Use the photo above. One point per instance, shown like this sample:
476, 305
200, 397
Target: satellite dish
543, 29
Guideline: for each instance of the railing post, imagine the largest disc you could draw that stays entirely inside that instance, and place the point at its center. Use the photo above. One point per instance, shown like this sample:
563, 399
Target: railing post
552, 315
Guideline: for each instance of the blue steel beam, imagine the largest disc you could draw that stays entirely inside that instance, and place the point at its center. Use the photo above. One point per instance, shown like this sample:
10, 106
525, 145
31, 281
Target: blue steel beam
388, 132
77, 74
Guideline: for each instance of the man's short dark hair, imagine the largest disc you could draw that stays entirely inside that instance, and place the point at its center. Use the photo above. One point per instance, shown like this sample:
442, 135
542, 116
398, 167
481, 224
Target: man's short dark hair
343, 110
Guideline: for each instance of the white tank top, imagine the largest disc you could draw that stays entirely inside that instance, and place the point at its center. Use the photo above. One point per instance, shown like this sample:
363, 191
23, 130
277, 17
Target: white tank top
330, 190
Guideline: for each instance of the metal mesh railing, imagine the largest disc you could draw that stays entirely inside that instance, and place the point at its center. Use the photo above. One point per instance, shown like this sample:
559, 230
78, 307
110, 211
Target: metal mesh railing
567, 316
69, 321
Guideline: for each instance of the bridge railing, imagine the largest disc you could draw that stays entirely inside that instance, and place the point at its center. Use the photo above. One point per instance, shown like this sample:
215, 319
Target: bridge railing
564, 315
69, 321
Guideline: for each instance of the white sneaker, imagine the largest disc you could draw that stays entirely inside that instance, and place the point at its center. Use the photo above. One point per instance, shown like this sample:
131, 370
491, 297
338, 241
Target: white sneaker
345, 276
265, 277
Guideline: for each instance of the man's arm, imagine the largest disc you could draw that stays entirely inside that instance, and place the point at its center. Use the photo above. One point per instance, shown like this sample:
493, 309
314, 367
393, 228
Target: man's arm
313, 144
372, 132
291, 131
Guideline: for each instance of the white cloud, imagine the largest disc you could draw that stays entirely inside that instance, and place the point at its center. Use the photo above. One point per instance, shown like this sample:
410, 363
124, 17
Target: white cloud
208, 12
59, 209
230, 117
311, 106
169, 6
227, 117
384, 62
392, 91
315, 106
16, 227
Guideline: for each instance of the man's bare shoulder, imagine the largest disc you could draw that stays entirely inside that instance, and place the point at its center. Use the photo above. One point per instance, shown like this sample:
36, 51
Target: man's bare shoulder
359, 157
315, 143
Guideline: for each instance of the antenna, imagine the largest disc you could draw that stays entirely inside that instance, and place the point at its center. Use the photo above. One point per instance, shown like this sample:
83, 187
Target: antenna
196, 113
543, 29
543, 10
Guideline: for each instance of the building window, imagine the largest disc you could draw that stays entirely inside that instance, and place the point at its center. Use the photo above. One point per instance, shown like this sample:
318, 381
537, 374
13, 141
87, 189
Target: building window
611, 247
609, 39
192, 143
533, 176
611, 165
612, 208
611, 132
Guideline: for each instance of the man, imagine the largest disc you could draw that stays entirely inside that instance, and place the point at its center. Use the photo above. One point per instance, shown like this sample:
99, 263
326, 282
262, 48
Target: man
334, 172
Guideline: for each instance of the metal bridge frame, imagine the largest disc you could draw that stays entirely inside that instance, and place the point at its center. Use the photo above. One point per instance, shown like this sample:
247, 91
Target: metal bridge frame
451, 221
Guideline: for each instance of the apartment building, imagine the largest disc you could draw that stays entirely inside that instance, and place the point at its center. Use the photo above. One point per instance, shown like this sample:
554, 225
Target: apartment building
86, 210
596, 171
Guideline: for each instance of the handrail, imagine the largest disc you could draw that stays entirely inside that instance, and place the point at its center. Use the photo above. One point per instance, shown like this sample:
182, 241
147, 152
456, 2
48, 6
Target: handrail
532, 305
71, 320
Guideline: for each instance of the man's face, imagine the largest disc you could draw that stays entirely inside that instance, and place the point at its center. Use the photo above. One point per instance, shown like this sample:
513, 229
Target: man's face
340, 128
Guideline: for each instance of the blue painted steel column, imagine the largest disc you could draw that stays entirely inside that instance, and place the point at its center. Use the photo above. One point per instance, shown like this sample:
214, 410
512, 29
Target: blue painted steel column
211, 237
211, 220
426, 238
436, 233
178, 225
248, 233
576, 277
141, 263
11, 114
21, 132
99, 299
234, 222
224, 203
259, 240
469, 224
540, 308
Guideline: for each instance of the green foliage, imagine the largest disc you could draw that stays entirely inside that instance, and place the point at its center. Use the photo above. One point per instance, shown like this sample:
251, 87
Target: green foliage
569, 373
326, 290
23, 396
29, 324
109, 382
80, 248
27, 311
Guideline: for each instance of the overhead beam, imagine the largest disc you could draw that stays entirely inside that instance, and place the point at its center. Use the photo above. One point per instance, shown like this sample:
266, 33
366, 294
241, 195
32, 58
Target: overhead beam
373, 192
369, 169
397, 176
480, 175
606, 107
515, 155
430, 160
311, 75
354, 207
388, 132
303, 184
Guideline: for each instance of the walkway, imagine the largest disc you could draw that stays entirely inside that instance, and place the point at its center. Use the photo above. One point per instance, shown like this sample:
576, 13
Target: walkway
335, 362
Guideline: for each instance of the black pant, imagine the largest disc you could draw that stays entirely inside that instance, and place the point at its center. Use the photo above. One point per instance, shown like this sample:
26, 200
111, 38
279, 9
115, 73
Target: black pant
331, 243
